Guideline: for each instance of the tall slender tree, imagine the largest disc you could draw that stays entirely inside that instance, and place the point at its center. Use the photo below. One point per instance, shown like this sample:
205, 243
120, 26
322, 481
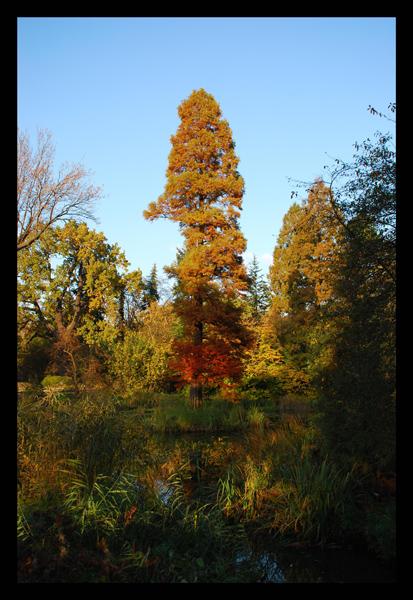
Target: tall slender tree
203, 193
258, 294
302, 274
150, 291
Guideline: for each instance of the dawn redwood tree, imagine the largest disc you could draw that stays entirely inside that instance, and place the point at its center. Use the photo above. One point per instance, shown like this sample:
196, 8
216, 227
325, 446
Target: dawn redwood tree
203, 193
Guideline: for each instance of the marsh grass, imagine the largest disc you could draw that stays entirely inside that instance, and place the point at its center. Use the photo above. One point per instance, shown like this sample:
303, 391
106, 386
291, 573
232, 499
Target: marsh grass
290, 491
213, 415
126, 532
256, 417
82, 517
313, 503
191, 504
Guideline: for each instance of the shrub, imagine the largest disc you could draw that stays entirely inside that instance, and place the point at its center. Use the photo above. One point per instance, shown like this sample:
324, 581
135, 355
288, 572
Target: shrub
260, 388
32, 359
139, 365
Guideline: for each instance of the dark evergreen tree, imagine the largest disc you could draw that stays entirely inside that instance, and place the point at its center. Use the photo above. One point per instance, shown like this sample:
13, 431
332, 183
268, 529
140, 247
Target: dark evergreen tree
358, 385
150, 291
258, 293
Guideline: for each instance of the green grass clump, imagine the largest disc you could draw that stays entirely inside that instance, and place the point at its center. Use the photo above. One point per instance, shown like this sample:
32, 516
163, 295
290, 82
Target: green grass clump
256, 417
119, 530
57, 381
314, 501
213, 415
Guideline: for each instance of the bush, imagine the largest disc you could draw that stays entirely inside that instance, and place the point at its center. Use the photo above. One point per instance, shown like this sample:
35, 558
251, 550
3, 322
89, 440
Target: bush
260, 388
139, 365
32, 360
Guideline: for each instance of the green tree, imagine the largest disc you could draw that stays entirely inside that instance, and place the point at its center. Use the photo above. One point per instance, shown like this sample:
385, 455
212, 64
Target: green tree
358, 382
69, 288
302, 276
258, 292
150, 291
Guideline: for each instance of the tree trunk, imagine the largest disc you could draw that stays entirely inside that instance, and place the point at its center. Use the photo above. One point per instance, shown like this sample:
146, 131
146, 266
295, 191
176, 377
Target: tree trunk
195, 395
195, 391
121, 313
74, 370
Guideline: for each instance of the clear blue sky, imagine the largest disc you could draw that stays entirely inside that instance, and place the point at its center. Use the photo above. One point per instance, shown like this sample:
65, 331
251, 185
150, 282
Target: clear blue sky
292, 89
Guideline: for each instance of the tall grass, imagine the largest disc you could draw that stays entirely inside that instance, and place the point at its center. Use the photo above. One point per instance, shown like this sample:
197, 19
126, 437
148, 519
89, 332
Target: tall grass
286, 489
313, 503
101, 504
256, 417
125, 532
213, 415
185, 512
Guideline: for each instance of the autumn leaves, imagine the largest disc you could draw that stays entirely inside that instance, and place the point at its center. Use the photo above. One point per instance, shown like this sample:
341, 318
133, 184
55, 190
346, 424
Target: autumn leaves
203, 193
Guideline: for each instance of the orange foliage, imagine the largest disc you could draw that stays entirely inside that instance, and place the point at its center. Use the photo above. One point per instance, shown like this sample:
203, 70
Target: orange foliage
203, 193
206, 363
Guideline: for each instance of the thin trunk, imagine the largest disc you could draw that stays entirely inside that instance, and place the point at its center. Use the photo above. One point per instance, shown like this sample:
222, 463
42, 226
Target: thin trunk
195, 391
195, 395
121, 313
74, 369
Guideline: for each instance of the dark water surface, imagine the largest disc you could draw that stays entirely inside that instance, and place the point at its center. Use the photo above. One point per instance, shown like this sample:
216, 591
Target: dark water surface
297, 564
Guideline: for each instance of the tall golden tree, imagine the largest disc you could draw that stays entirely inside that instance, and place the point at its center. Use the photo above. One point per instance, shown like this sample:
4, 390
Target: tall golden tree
306, 257
203, 193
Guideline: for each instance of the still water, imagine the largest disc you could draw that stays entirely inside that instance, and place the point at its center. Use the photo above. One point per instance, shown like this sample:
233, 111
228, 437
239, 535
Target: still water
211, 455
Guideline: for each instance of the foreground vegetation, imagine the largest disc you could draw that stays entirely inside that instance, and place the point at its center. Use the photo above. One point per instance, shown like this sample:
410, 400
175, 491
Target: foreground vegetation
103, 499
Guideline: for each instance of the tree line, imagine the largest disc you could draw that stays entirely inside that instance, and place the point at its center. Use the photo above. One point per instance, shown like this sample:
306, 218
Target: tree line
322, 324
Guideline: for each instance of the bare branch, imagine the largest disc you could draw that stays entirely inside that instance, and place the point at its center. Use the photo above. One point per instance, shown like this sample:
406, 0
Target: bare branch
44, 199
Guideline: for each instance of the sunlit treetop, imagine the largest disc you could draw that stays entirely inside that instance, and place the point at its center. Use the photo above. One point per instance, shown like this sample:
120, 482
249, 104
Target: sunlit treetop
307, 252
203, 193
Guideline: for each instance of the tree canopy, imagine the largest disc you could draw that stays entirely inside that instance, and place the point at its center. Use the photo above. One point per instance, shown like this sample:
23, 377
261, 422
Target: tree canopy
203, 193
45, 198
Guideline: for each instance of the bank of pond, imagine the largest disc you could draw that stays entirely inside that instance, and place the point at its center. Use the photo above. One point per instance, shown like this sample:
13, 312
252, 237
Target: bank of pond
148, 489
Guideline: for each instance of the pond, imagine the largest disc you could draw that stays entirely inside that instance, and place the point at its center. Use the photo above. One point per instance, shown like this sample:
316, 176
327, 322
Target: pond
209, 457
271, 501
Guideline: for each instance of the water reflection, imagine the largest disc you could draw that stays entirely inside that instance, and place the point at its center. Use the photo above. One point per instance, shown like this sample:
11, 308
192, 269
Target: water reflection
203, 459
